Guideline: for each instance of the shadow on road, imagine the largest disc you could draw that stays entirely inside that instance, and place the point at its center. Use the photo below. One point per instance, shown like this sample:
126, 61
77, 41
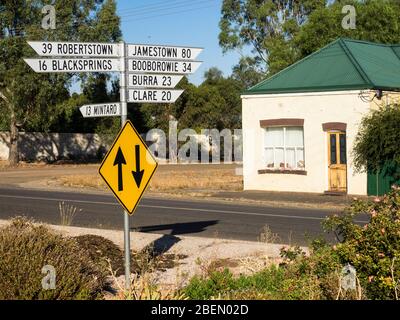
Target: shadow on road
167, 241
180, 228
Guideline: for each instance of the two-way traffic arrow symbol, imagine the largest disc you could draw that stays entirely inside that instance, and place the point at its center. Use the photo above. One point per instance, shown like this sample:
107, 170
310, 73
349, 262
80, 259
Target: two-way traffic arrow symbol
120, 160
138, 174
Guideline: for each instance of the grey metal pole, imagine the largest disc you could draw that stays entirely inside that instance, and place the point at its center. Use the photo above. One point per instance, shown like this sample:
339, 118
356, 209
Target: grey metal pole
124, 109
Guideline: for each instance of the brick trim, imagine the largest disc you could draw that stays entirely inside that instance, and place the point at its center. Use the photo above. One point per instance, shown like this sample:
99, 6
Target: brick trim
281, 123
340, 126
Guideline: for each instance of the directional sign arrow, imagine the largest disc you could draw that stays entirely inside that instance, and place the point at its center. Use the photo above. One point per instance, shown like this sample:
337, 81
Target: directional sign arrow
153, 96
75, 49
161, 66
162, 52
138, 174
101, 110
138, 80
119, 161
74, 65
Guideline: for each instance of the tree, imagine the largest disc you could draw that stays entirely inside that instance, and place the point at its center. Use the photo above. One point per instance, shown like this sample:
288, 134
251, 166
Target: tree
30, 100
247, 72
377, 142
376, 21
267, 26
214, 104
159, 115
280, 32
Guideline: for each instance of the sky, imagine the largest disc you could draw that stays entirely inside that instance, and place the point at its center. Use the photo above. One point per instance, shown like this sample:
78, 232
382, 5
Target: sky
178, 22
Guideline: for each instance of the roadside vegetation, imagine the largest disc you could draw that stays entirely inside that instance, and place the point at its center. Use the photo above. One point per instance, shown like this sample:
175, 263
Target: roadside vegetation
90, 267
86, 267
372, 249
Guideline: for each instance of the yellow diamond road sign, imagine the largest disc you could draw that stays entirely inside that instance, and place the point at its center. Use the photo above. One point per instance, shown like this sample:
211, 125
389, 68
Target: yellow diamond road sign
128, 167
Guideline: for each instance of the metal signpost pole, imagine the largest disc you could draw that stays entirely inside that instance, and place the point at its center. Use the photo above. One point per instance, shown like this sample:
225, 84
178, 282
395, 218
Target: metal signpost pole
124, 112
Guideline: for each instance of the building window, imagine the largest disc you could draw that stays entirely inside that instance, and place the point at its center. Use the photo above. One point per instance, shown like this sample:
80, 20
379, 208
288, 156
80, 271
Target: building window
284, 148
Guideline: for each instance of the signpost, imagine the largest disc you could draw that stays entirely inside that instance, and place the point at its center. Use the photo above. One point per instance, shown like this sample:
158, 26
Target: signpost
162, 66
137, 80
150, 72
76, 49
74, 65
101, 110
162, 52
153, 96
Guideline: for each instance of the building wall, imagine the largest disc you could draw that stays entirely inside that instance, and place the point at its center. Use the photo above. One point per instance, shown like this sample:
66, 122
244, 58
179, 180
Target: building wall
315, 109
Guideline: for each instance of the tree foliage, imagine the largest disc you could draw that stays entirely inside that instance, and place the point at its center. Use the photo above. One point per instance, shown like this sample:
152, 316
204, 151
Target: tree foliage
376, 21
280, 32
267, 26
29, 100
377, 142
215, 104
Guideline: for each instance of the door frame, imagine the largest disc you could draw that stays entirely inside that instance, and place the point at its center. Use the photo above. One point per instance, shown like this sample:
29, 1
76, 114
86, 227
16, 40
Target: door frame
328, 144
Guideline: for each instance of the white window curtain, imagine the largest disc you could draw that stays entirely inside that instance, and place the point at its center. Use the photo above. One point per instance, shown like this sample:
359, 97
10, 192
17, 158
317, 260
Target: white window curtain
284, 148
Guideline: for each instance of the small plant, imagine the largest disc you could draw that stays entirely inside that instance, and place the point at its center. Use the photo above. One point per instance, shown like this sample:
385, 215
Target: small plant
143, 287
267, 236
67, 213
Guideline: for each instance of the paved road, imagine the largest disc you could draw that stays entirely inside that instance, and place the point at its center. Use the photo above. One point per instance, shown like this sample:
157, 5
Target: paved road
176, 217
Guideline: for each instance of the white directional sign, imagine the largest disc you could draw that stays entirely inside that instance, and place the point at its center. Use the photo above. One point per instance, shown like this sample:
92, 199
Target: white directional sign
153, 96
160, 66
101, 110
163, 52
76, 49
74, 65
138, 80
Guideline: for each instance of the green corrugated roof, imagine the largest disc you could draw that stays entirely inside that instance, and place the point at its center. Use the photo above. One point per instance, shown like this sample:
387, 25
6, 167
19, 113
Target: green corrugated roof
344, 64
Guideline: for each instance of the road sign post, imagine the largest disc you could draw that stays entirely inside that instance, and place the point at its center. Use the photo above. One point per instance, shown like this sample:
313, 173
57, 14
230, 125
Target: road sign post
151, 72
101, 110
124, 107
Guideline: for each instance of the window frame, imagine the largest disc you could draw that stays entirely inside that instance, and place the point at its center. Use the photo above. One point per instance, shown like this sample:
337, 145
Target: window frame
285, 149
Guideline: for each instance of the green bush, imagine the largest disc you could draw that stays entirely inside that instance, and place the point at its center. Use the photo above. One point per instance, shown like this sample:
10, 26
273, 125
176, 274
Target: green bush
377, 142
26, 248
223, 285
374, 248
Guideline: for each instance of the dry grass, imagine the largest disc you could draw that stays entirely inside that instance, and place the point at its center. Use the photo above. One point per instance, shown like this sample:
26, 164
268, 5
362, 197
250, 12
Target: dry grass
4, 165
206, 179
172, 178
82, 181
67, 213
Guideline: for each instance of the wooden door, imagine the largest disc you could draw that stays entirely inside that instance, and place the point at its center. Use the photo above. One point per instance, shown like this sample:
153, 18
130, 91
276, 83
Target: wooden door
337, 161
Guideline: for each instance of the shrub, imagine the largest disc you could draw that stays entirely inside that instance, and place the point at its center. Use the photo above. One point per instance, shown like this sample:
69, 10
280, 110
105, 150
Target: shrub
224, 285
374, 248
26, 248
377, 142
